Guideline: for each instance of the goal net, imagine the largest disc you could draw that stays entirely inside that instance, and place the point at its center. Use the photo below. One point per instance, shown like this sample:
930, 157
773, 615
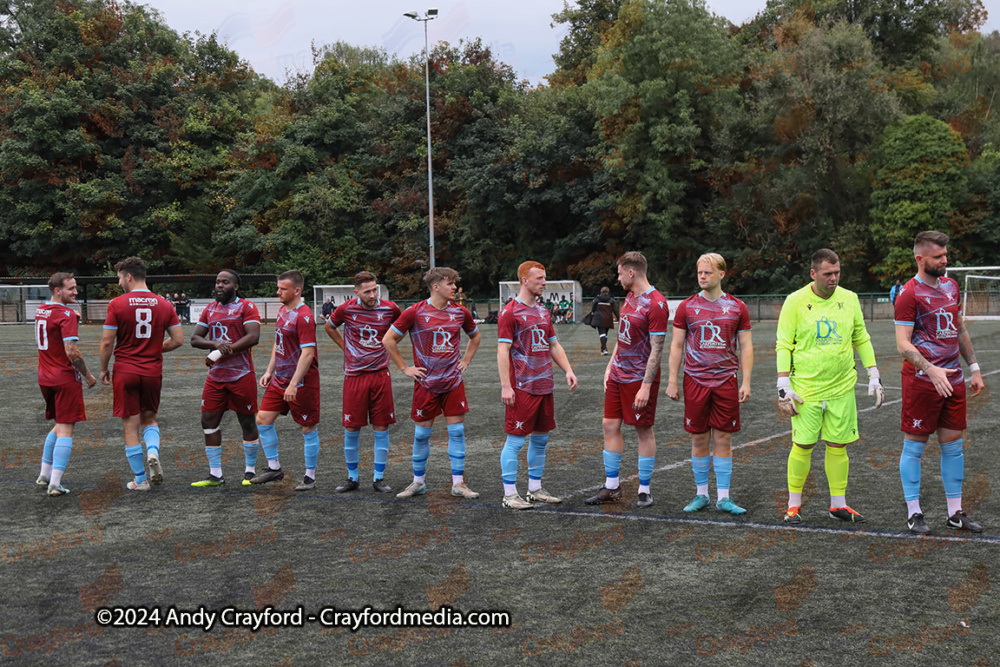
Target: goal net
556, 291
337, 294
981, 297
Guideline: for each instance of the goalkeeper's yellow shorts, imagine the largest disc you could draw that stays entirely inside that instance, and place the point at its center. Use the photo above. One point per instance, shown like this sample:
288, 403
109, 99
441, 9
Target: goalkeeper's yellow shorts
836, 419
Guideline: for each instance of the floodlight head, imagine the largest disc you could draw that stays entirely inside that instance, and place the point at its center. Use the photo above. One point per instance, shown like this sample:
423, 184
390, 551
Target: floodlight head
432, 12
412, 15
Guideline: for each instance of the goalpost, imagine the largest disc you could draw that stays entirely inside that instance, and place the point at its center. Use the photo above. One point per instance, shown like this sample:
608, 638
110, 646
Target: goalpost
556, 290
337, 294
980, 291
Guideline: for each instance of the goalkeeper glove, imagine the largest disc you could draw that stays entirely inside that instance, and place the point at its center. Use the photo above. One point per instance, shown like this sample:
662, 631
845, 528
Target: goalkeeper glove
875, 386
787, 397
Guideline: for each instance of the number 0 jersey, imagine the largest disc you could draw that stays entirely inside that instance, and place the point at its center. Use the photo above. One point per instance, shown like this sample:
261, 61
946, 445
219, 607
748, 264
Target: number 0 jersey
140, 319
54, 324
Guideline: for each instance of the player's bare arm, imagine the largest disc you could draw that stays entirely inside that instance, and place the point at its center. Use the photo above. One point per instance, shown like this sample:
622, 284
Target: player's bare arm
746, 363
107, 347
938, 376
652, 366
503, 366
390, 341
265, 379
674, 362
607, 369
174, 340
198, 339
475, 339
334, 334
76, 358
306, 357
965, 349
562, 361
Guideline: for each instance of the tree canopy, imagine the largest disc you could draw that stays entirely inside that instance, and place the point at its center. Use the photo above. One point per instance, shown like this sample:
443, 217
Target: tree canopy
663, 128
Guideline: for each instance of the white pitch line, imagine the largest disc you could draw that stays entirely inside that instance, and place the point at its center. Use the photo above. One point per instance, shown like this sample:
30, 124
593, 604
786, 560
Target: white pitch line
773, 526
885, 386
678, 464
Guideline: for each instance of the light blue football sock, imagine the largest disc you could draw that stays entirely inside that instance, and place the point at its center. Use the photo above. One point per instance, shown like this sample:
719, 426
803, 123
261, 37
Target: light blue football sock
952, 467
646, 469
723, 471
700, 465
61, 453
508, 458
421, 449
135, 462
456, 448
351, 446
909, 468
250, 453
151, 436
612, 463
381, 453
269, 441
310, 448
536, 454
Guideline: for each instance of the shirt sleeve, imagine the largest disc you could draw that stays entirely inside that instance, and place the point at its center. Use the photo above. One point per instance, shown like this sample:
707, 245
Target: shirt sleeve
505, 326
785, 343
905, 309
550, 332
69, 326
111, 321
659, 312
680, 317
338, 315
405, 320
395, 311
203, 318
861, 338
744, 323
305, 327
250, 312
468, 324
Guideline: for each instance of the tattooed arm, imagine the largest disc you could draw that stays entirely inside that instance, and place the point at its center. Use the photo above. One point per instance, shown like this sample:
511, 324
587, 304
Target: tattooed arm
652, 367
969, 354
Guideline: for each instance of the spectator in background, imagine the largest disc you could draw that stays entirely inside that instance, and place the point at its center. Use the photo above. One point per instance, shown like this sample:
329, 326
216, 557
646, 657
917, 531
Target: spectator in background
178, 307
894, 292
565, 310
460, 297
185, 307
605, 311
327, 310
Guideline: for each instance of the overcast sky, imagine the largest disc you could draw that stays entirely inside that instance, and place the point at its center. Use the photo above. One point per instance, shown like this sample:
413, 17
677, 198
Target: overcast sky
275, 35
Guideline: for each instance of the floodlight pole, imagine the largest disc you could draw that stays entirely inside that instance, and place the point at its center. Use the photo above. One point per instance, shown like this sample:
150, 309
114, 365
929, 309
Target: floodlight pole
430, 15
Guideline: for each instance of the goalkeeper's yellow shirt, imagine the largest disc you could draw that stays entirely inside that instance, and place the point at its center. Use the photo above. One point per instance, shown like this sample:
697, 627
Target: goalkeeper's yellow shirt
816, 341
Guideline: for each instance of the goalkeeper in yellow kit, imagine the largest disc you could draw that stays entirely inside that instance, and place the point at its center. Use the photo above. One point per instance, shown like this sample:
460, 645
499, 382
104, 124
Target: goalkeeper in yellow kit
819, 327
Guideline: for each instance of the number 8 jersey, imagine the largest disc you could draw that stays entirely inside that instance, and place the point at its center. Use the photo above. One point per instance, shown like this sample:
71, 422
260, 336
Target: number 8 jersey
141, 318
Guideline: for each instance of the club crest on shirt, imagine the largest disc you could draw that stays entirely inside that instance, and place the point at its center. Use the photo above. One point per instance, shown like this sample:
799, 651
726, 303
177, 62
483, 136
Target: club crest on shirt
946, 325
442, 341
711, 337
538, 340
368, 337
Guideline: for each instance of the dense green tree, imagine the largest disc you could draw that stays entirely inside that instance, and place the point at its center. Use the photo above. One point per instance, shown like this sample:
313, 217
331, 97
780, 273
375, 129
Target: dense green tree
918, 176
113, 133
